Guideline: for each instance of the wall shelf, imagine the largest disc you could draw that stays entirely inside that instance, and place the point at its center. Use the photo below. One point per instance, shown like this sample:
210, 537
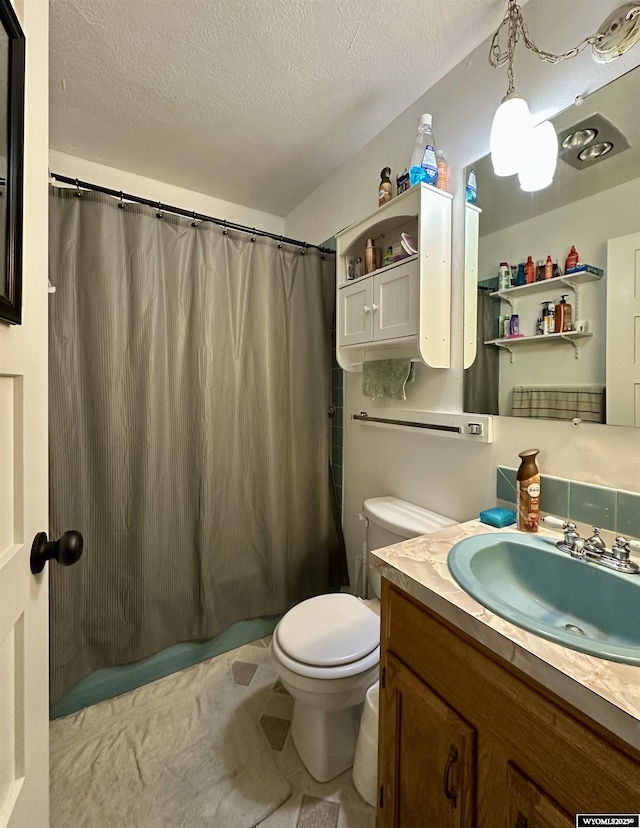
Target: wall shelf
571, 281
570, 337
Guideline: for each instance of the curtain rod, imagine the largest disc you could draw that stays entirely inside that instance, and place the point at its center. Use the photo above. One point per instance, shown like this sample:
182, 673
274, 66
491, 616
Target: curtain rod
160, 205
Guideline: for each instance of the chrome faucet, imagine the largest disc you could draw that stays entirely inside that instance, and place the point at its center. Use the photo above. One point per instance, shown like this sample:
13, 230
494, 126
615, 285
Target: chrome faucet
594, 548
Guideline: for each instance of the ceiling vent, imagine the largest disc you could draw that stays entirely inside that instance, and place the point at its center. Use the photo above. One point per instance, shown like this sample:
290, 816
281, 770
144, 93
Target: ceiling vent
590, 141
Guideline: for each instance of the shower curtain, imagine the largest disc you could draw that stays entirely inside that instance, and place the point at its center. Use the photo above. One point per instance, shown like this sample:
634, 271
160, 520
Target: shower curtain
190, 379
481, 378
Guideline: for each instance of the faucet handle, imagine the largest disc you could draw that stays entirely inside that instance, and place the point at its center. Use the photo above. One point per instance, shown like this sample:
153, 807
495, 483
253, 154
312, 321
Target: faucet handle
621, 549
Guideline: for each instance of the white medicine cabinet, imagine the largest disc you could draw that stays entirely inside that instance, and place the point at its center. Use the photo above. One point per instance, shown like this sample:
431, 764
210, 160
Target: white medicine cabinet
402, 308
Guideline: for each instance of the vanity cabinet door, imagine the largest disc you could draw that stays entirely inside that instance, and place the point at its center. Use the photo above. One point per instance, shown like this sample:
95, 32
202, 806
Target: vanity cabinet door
428, 750
529, 807
396, 302
356, 319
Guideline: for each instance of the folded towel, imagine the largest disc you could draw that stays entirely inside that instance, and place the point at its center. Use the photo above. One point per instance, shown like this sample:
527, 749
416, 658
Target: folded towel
386, 378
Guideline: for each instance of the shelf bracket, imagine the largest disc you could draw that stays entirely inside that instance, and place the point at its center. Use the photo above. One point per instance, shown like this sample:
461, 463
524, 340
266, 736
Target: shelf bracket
506, 348
572, 341
505, 298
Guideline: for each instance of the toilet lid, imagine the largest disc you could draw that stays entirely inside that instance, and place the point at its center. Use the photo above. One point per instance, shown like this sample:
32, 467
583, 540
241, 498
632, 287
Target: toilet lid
329, 630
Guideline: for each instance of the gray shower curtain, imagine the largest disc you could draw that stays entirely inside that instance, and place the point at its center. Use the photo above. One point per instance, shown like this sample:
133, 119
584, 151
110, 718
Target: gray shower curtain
482, 377
190, 377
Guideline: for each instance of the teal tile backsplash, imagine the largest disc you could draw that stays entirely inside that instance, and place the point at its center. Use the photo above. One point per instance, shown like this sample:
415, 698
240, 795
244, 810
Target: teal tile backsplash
599, 506
593, 504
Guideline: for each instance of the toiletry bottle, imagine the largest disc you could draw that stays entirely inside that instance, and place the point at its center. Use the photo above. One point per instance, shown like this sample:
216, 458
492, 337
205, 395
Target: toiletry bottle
521, 278
539, 271
514, 325
542, 327
572, 259
548, 268
505, 327
423, 161
384, 190
529, 271
369, 257
443, 170
563, 316
471, 191
528, 479
504, 276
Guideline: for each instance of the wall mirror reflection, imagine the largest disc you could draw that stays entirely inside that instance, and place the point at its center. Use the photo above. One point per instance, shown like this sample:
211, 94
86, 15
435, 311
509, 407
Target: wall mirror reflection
12, 56
533, 357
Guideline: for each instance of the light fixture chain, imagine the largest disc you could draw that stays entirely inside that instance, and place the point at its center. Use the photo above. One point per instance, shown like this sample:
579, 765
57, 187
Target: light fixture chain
515, 24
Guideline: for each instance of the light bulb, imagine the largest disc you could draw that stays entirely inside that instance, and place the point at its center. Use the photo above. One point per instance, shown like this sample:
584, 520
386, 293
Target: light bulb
538, 162
509, 131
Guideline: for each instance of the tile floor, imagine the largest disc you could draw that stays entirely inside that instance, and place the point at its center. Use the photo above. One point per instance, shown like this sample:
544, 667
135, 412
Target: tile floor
334, 804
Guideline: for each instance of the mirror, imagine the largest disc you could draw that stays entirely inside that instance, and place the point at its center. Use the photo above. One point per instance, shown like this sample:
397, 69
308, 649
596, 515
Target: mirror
590, 370
12, 55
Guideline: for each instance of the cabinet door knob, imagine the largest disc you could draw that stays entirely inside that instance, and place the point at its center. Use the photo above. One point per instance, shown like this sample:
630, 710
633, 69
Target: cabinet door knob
367, 309
452, 759
374, 308
521, 821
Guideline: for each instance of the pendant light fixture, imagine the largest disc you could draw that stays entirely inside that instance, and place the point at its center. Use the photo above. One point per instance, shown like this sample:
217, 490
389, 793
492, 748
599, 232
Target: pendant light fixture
517, 145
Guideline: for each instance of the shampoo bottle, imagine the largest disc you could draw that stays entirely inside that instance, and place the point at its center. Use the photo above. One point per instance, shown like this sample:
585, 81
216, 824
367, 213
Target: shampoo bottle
529, 270
572, 259
528, 478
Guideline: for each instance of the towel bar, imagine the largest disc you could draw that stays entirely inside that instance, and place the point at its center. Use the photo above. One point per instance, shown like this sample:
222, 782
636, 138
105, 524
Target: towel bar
387, 421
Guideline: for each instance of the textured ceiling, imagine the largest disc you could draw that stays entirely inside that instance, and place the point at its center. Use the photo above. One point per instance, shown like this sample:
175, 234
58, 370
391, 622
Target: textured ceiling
252, 101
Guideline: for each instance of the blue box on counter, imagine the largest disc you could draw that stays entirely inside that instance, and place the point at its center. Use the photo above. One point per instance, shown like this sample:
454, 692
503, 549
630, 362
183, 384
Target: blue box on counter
498, 516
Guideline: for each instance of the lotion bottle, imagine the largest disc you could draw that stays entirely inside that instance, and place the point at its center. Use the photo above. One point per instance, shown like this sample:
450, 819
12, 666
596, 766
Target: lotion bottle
528, 478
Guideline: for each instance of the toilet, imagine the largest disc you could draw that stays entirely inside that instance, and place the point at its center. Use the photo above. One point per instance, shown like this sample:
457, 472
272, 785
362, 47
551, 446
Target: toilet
326, 650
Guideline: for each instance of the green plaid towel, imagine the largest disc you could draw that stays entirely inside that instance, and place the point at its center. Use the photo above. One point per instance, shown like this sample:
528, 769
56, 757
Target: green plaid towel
386, 378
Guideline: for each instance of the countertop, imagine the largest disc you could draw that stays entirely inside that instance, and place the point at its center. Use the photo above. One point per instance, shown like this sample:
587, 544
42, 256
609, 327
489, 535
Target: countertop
607, 691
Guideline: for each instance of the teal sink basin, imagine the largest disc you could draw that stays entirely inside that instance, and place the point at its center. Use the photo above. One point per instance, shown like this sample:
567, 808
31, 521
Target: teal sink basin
537, 587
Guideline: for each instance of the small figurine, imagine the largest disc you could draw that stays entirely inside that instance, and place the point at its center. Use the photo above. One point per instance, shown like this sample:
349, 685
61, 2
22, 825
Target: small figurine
384, 190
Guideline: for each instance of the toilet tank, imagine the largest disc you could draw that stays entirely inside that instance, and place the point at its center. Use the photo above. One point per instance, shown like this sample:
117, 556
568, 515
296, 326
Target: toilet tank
392, 520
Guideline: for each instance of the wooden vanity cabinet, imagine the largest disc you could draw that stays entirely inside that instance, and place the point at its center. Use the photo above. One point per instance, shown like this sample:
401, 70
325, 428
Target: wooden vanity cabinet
468, 740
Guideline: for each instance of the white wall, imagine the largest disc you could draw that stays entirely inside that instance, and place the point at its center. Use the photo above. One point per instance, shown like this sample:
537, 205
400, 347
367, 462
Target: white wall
587, 223
434, 471
80, 168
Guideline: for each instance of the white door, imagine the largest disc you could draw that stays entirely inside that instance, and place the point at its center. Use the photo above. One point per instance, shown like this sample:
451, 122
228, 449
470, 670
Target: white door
355, 313
623, 330
24, 675
396, 302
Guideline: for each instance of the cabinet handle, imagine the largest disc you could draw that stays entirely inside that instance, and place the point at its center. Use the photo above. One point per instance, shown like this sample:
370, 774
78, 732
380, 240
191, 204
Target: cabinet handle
453, 758
521, 821
367, 309
374, 307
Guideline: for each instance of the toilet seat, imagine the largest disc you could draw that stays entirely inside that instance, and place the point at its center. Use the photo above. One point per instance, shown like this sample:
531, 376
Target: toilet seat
329, 636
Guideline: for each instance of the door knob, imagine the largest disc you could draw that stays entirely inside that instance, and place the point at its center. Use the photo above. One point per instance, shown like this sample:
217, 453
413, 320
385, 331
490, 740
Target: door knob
66, 550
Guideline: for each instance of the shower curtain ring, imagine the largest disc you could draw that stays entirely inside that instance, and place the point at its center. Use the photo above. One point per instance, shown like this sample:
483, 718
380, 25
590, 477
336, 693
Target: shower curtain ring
280, 243
159, 214
253, 235
195, 221
78, 190
304, 249
225, 232
121, 202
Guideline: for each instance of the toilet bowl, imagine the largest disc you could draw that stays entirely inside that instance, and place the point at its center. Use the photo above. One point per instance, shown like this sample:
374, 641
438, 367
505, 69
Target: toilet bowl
326, 650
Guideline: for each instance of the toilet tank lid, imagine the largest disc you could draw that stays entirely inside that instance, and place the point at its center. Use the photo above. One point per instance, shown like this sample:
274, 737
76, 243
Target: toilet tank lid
404, 518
